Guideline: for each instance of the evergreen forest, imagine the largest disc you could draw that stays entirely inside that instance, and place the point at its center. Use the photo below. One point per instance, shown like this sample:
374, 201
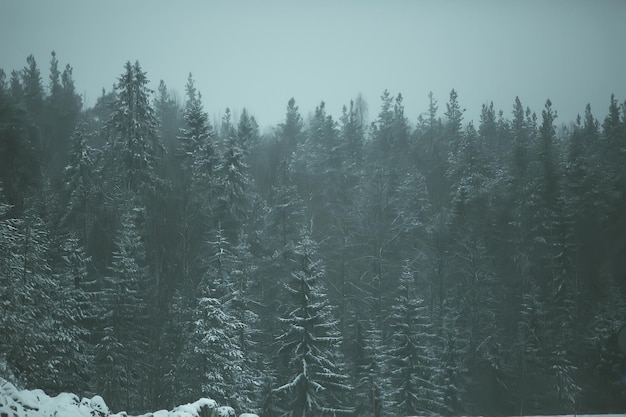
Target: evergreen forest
374, 264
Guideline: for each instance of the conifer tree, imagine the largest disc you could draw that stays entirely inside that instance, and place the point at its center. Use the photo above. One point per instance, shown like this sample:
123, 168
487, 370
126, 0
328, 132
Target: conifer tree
283, 221
239, 269
74, 314
167, 113
15, 306
454, 127
21, 158
451, 353
314, 382
33, 92
318, 168
474, 308
382, 132
374, 398
133, 131
212, 357
603, 364
488, 130
291, 129
42, 341
134, 167
79, 185
530, 384
412, 364
61, 111
352, 134
177, 384
286, 214
119, 365
613, 151
233, 199
431, 153
4, 89
196, 184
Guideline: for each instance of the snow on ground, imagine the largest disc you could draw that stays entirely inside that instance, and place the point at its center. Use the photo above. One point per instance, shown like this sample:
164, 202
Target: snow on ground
35, 403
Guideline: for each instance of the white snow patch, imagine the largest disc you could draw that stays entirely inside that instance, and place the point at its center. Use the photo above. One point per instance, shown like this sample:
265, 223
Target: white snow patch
36, 403
225, 411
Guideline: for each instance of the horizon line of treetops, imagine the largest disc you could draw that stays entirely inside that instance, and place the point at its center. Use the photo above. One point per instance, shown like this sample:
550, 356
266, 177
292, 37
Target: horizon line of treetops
328, 267
174, 97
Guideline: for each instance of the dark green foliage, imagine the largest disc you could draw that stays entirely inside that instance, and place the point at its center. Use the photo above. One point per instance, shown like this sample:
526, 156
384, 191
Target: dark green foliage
61, 112
412, 363
133, 143
468, 270
21, 154
79, 185
42, 307
120, 353
313, 383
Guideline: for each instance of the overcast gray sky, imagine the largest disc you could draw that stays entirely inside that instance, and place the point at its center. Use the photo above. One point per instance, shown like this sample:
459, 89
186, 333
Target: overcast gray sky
258, 54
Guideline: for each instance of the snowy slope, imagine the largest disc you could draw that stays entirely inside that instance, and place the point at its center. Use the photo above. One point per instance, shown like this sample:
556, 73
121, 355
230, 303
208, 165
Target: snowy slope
36, 403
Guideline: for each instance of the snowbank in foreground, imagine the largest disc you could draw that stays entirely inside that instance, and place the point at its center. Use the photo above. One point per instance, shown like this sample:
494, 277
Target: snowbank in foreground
35, 403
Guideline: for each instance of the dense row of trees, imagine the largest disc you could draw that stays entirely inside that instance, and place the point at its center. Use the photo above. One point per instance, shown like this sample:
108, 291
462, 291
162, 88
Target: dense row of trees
329, 266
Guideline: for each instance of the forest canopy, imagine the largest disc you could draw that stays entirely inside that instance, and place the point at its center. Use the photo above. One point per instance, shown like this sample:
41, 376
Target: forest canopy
412, 265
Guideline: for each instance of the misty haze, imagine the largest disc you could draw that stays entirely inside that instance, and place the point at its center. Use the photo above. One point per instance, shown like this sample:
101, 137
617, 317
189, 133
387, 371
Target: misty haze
306, 209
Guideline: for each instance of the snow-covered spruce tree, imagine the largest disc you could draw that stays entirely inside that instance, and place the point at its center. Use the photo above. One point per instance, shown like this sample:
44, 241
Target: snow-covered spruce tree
454, 126
451, 352
19, 315
132, 130
134, 155
412, 361
318, 170
371, 390
120, 369
278, 235
231, 269
233, 199
357, 360
550, 249
379, 225
29, 293
71, 351
310, 343
40, 317
239, 268
212, 358
178, 387
195, 185
195, 131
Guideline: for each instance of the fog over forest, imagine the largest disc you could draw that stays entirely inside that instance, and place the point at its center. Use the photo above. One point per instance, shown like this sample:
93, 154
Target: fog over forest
402, 267
354, 260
